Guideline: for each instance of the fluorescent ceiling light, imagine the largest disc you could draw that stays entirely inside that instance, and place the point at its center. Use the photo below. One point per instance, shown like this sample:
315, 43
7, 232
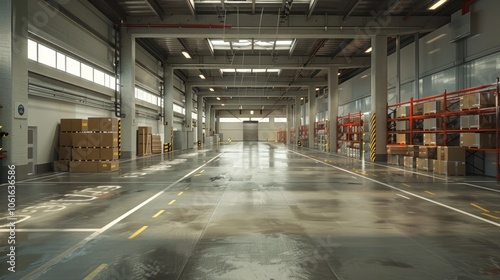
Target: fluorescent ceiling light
218, 98
202, 76
212, 89
244, 70
317, 88
228, 70
435, 38
186, 54
251, 112
437, 4
302, 98
223, 104
259, 70
369, 50
338, 74
273, 70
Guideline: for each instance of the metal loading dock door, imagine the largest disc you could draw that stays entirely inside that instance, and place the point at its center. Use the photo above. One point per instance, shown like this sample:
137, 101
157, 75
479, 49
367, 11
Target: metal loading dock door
250, 131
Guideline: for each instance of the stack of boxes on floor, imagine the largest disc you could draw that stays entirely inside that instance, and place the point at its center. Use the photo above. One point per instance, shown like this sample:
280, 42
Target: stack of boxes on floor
144, 138
88, 146
156, 147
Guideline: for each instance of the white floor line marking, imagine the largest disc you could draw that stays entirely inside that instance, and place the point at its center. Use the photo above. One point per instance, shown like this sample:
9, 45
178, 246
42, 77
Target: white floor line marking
100, 183
409, 193
52, 230
403, 196
75, 247
479, 187
37, 178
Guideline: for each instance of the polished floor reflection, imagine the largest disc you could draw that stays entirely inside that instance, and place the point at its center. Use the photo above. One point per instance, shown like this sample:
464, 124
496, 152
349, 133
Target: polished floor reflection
255, 211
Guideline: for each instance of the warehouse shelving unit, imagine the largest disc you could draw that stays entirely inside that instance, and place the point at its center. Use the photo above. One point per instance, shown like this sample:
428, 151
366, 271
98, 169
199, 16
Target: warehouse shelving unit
281, 135
304, 135
467, 118
350, 134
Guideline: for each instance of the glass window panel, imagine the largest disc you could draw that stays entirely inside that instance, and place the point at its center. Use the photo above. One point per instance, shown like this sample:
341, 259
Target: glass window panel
87, 72
72, 66
61, 61
32, 50
280, 120
264, 120
46, 56
99, 77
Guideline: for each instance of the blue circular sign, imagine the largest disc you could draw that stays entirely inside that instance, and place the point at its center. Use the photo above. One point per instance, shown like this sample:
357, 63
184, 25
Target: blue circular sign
20, 109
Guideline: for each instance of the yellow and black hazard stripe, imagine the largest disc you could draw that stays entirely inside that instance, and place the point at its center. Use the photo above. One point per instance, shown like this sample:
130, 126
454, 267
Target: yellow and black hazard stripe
373, 137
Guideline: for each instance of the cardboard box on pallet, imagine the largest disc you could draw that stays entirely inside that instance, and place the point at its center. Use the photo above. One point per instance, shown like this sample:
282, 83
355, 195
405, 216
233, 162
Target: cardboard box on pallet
66, 125
425, 164
451, 153
402, 125
106, 166
103, 124
452, 168
79, 140
64, 153
481, 121
418, 109
402, 111
413, 150
65, 139
436, 164
401, 138
93, 154
109, 139
428, 152
395, 160
481, 99
430, 139
409, 161
79, 153
108, 154
79, 125
433, 107
477, 140
433, 123
94, 139
84, 166
397, 150
61, 165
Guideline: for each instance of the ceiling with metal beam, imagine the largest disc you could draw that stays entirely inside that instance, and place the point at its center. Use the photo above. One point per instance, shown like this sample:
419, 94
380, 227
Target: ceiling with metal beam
250, 48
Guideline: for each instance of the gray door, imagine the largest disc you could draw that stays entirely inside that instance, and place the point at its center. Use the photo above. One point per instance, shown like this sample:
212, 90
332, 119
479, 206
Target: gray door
250, 131
31, 150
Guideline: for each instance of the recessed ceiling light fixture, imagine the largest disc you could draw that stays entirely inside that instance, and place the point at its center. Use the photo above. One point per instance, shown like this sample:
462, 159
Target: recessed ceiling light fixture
218, 98
437, 4
212, 89
369, 50
251, 112
202, 76
186, 54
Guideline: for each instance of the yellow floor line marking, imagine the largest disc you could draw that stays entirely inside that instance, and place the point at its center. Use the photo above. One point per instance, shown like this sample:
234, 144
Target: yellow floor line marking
180, 193
186, 189
138, 232
491, 216
406, 185
431, 193
171, 202
95, 272
158, 214
202, 171
196, 175
480, 208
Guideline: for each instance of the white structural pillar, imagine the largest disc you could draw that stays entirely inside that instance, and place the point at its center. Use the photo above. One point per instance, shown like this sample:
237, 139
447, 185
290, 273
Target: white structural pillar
14, 86
378, 117
127, 80
188, 126
208, 129
212, 120
333, 107
199, 121
296, 114
312, 115
168, 110
289, 123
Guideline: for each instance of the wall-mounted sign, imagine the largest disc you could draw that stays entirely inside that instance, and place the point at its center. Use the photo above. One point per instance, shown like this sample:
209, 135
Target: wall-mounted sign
20, 111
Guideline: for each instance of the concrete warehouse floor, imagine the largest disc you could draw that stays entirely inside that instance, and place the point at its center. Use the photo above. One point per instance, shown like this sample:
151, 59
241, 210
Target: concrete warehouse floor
255, 211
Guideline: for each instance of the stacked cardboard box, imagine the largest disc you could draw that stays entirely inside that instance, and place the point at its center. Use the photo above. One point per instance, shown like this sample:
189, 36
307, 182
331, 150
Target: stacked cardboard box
433, 107
450, 161
433, 124
144, 140
90, 146
426, 155
156, 146
395, 160
478, 140
477, 100
402, 111
68, 128
477, 121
